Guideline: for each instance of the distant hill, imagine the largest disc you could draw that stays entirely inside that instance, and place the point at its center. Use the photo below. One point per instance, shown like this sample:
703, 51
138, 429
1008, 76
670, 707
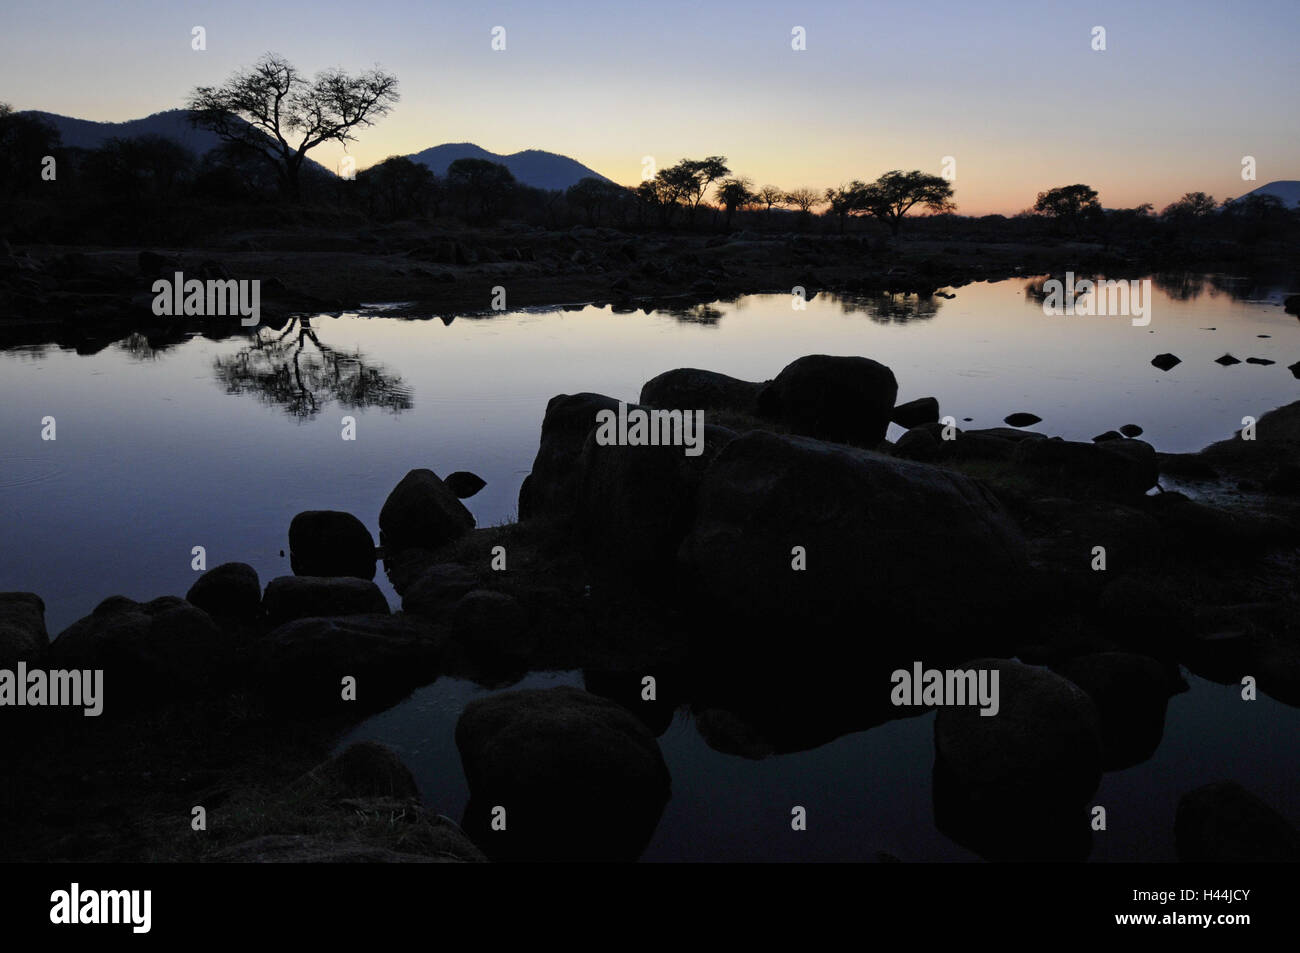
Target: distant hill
1286, 190
542, 170
172, 124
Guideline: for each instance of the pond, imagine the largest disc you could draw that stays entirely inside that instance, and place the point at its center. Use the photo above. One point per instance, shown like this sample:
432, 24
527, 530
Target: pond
164, 444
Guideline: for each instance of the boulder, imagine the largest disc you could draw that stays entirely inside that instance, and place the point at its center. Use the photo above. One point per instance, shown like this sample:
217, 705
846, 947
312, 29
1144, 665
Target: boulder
300, 666
300, 597
1166, 362
364, 769
1130, 693
550, 490
22, 629
923, 410
689, 388
1113, 469
1014, 786
842, 399
636, 504
149, 651
438, 589
228, 591
492, 625
579, 777
1131, 430
1223, 823
464, 484
919, 443
893, 548
1022, 419
331, 543
422, 512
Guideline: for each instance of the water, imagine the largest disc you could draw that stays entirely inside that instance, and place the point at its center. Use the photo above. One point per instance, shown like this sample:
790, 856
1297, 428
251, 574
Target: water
216, 443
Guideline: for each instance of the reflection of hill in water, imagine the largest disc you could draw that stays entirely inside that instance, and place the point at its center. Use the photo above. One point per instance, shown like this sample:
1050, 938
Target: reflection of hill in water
294, 370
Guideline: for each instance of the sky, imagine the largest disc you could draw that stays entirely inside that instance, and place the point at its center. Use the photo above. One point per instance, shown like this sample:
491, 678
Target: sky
1013, 92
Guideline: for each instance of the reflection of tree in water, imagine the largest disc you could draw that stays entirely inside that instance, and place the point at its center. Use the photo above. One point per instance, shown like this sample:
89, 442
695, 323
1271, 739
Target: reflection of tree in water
705, 314
280, 368
888, 307
138, 347
1180, 285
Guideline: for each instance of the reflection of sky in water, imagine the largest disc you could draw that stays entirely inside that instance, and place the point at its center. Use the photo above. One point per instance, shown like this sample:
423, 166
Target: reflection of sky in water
154, 456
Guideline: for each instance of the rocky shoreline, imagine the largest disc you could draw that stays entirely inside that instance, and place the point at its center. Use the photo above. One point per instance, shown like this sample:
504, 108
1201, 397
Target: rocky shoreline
800, 549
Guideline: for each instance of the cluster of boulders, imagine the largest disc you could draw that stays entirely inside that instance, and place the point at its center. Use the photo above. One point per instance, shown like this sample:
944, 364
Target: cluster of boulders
770, 583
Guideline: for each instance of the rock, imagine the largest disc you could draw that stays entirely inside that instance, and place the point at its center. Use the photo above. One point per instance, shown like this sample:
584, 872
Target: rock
1131, 430
228, 591
1227, 360
438, 589
22, 629
1022, 419
923, 410
299, 666
1294, 369
1113, 469
919, 443
841, 399
492, 626
1130, 693
1108, 435
365, 769
308, 849
149, 651
689, 388
422, 512
301, 597
893, 526
1292, 305
1166, 362
580, 778
550, 490
1223, 823
1013, 786
1263, 361
1138, 612
636, 504
331, 543
464, 484
1284, 479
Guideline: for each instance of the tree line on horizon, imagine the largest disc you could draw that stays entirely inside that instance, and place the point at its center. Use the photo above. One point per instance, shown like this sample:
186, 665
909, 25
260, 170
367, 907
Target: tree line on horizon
269, 117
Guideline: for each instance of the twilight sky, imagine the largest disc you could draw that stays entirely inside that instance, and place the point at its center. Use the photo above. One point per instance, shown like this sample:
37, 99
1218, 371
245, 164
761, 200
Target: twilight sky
1012, 90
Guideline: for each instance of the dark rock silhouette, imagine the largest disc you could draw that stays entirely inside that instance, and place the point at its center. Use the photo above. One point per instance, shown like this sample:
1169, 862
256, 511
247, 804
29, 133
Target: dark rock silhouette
1108, 435
842, 399
551, 488
1022, 419
1014, 786
365, 769
464, 484
150, 651
1223, 823
579, 777
299, 667
437, 590
1131, 430
689, 388
1166, 362
228, 591
300, 597
1115, 469
1226, 360
894, 524
22, 628
1262, 361
923, 410
1130, 693
492, 625
422, 512
331, 543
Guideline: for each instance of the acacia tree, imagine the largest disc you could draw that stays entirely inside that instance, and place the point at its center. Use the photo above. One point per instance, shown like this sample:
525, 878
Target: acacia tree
688, 181
733, 193
1068, 204
274, 111
845, 200
894, 194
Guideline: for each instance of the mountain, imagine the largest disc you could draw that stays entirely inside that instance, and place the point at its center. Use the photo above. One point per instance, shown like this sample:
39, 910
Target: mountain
1287, 190
172, 124
542, 170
